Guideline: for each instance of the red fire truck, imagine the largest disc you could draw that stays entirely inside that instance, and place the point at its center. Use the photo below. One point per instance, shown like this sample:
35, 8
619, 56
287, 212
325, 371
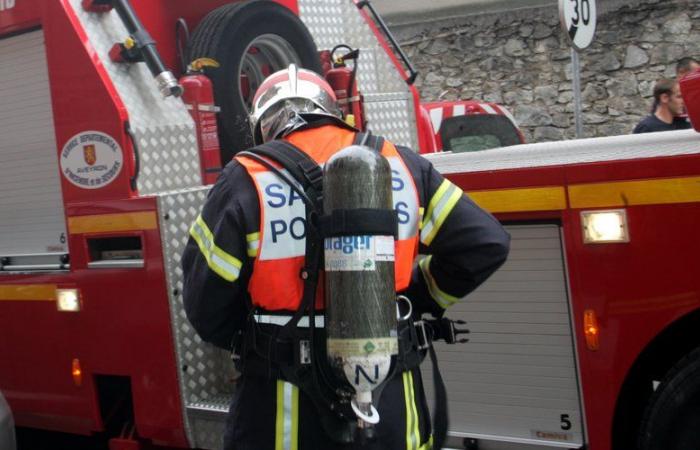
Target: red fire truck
585, 338
468, 126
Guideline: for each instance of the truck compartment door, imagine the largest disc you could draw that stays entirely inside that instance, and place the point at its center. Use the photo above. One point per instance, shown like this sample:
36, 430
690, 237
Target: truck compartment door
32, 220
516, 379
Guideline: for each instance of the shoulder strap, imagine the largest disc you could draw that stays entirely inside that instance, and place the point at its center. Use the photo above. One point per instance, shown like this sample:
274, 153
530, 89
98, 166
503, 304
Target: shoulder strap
299, 165
369, 140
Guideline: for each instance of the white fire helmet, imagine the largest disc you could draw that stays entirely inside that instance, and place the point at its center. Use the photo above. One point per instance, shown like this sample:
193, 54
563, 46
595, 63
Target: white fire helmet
287, 100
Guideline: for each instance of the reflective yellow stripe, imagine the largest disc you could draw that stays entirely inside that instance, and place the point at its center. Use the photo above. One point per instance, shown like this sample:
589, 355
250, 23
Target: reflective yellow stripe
590, 195
439, 208
642, 192
28, 292
225, 265
433, 201
287, 418
253, 240
421, 211
428, 444
412, 428
441, 298
526, 199
409, 411
104, 223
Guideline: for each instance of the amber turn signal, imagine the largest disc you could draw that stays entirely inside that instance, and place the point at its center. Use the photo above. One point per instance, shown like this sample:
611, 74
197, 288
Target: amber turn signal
591, 329
77, 372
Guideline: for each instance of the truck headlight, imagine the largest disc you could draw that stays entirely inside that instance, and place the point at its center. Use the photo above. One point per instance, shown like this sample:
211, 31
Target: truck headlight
68, 300
604, 226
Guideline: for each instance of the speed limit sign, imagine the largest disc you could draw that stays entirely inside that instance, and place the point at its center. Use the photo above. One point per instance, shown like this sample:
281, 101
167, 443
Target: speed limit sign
578, 18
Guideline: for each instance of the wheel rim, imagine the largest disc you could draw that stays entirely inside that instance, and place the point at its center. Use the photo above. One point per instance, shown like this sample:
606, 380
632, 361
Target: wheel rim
266, 54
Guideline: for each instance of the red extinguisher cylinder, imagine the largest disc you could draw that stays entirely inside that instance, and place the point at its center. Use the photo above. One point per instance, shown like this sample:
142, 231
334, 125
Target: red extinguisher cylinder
199, 97
349, 99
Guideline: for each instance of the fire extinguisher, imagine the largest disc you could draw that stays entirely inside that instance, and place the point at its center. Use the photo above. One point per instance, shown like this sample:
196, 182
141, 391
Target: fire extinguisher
344, 82
199, 97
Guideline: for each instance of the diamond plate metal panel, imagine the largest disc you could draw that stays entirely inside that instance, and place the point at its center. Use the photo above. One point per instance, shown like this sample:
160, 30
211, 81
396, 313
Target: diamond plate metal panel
164, 129
333, 22
207, 374
208, 421
208, 433
388, 116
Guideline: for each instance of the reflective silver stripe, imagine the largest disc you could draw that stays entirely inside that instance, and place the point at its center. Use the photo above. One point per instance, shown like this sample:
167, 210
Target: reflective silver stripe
319, 321
457, 110
287, 420
508, 115
436, 119
488, 108
439, 208
287, 416
253, 240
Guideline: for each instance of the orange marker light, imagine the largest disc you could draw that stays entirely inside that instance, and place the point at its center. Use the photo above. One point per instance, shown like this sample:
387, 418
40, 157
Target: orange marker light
591, 329
77, 372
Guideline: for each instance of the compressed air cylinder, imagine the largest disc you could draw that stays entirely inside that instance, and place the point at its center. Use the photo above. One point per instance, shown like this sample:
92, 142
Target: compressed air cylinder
359, 277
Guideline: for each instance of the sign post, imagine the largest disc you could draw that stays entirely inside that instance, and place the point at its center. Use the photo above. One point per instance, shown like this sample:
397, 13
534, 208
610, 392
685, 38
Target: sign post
578, 19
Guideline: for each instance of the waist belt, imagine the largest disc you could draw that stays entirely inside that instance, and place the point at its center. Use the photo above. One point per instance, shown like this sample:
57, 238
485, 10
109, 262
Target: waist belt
270, 319
261, 351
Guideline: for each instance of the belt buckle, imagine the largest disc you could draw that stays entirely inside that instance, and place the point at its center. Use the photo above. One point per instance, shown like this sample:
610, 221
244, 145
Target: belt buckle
304, 357
421, 334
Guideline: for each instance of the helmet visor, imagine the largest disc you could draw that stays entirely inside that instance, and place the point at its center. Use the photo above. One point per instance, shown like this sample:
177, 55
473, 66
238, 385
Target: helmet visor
285, 117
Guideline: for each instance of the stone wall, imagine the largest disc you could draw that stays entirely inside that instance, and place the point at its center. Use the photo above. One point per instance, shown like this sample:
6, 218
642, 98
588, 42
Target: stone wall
522, 59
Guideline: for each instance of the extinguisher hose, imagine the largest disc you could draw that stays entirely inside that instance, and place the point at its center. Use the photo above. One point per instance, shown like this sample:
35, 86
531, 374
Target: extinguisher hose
182, 31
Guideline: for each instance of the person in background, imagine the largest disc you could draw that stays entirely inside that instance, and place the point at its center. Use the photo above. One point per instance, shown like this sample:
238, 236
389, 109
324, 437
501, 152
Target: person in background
666, 111
685, 66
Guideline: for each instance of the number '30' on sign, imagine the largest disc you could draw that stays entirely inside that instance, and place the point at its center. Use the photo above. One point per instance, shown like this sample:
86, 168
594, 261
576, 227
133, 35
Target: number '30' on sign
578, 19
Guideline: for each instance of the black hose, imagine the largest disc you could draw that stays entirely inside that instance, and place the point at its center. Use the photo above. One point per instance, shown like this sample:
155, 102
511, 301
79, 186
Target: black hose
137, 159
181, 27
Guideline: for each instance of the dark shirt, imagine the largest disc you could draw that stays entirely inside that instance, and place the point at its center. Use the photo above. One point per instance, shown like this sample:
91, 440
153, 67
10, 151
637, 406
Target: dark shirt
651, 124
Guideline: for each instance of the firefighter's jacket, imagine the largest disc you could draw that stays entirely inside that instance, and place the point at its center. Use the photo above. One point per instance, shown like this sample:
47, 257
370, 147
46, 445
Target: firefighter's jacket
463, 244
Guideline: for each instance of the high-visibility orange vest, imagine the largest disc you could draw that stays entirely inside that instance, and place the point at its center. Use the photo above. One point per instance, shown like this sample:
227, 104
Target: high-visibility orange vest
280, 246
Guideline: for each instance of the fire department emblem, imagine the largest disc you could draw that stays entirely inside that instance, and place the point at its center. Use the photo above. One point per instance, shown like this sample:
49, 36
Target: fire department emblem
91, 160
89, 154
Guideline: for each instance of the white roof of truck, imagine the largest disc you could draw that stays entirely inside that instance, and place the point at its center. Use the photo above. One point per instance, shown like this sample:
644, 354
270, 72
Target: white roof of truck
614, 148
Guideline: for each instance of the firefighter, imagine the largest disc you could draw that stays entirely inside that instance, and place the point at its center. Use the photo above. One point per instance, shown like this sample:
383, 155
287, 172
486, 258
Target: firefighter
244, 269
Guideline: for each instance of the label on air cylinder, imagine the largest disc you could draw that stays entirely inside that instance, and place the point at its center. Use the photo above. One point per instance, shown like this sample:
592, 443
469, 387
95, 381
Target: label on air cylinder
365, 362
357, 253
362, 347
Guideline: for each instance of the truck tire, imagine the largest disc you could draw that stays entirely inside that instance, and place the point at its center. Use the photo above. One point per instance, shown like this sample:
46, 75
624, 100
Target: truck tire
249, 40
672, 417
